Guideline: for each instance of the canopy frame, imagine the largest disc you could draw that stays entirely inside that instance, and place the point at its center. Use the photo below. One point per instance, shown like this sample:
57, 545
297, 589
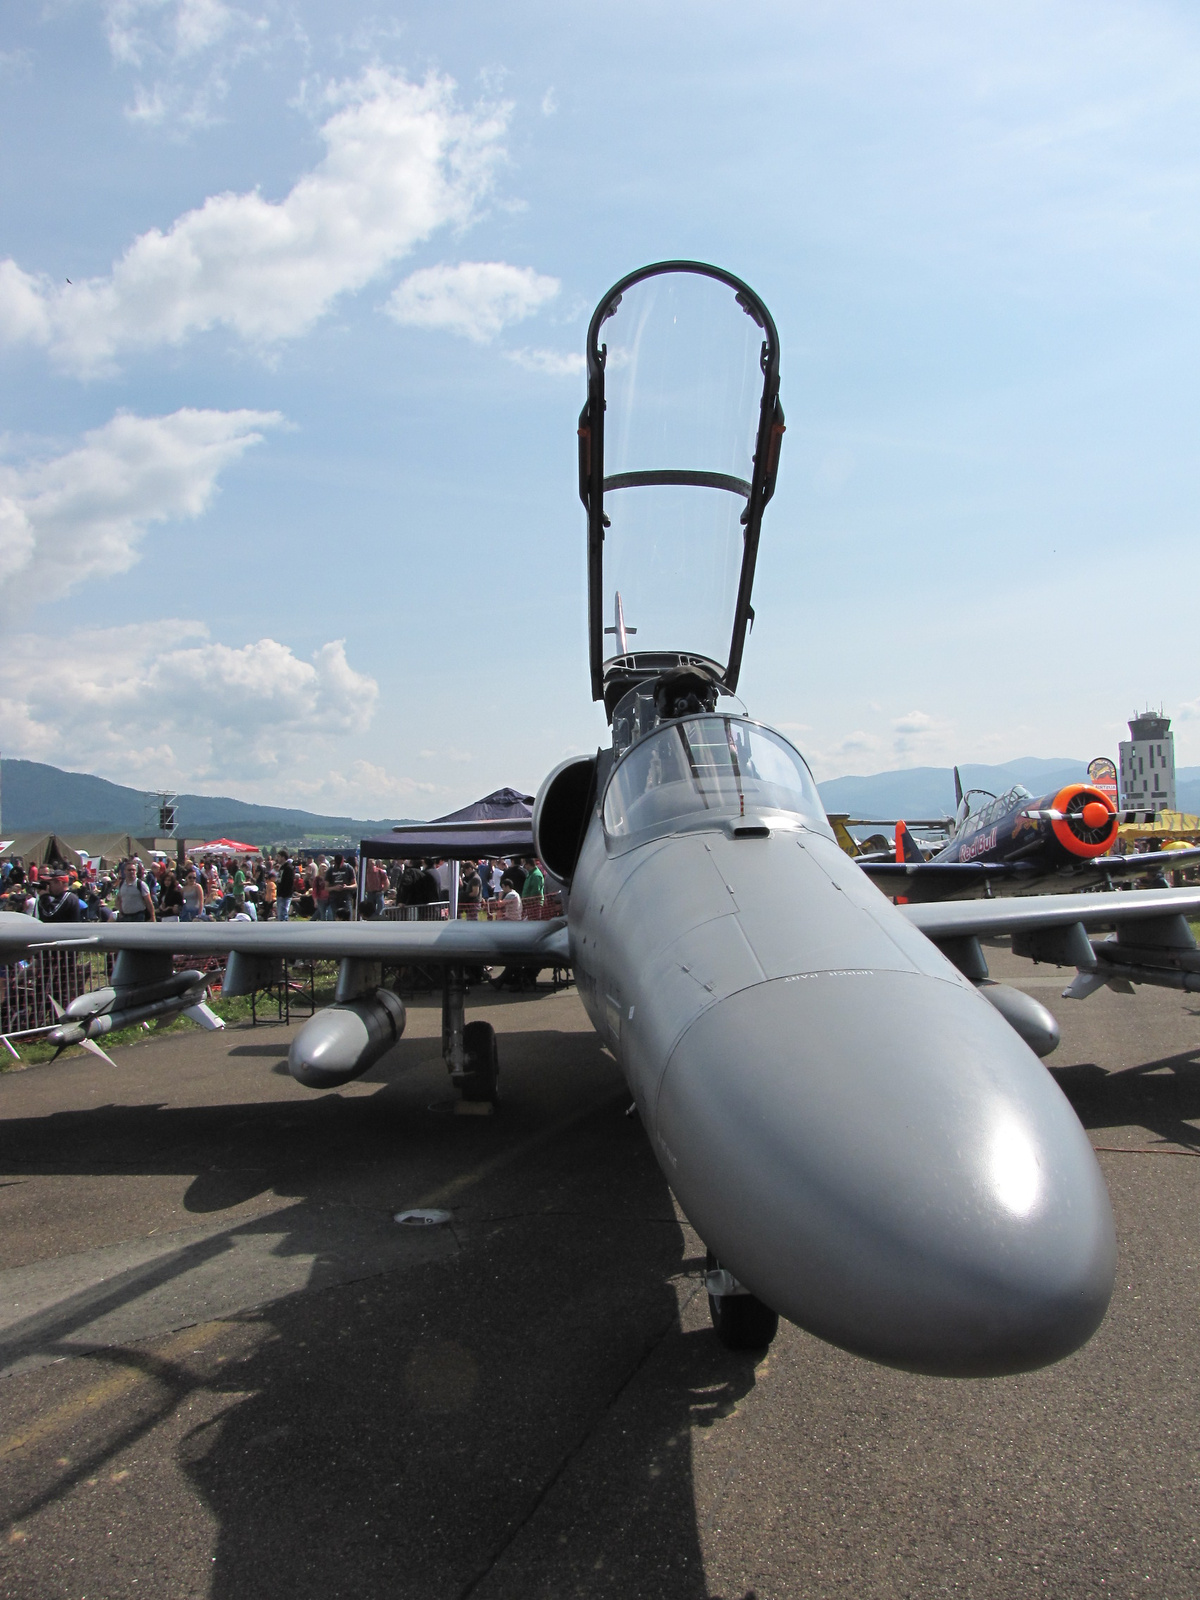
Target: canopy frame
593, 486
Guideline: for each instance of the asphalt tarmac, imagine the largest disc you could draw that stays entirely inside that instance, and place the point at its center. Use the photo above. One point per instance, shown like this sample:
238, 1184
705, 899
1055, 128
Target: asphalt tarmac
227, 1371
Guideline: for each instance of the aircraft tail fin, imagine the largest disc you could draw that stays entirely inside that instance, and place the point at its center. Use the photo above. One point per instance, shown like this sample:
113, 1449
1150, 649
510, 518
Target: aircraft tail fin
908, 851
958, 788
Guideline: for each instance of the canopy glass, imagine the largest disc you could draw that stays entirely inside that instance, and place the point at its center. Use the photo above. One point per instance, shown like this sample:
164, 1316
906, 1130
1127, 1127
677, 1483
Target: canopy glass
683, 372
716, 765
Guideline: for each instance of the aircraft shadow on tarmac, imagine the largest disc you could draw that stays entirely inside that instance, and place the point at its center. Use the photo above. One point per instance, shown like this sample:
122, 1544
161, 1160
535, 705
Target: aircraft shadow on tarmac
508, 1413
1162, 1096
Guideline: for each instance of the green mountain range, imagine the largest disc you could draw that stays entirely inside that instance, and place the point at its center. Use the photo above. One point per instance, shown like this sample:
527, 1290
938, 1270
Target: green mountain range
34, 796
929, 791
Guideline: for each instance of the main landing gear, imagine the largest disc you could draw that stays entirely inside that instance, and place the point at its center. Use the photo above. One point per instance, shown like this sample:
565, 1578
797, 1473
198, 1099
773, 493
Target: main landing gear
468, 1048
739, 1319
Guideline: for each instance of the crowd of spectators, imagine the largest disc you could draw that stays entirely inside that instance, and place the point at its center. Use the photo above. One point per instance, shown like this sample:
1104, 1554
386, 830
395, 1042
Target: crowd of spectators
260, 887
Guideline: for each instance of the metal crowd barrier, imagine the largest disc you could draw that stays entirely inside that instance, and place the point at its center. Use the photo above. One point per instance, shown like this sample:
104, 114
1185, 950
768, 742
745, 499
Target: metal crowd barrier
28, 987
540, 910
438, 911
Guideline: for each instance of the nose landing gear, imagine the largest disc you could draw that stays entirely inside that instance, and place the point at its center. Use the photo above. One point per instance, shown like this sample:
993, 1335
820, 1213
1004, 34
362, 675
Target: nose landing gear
740, 1320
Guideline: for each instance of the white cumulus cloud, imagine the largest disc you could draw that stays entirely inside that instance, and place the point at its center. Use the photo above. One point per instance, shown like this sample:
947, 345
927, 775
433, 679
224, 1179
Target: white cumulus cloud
402, 160
81, 515
476, 298
550, 363
161, 703
183, 52
139, 30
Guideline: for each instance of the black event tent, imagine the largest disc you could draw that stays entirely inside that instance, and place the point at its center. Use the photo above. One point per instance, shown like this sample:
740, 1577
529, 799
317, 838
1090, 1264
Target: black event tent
501, 824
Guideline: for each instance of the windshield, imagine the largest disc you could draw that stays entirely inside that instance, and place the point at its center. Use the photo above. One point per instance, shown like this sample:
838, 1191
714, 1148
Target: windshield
683, 384
995, 809
719, 765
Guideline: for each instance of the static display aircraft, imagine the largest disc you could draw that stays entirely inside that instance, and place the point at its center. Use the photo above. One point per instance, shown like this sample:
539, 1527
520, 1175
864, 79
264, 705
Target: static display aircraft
849, 1113
1016, 843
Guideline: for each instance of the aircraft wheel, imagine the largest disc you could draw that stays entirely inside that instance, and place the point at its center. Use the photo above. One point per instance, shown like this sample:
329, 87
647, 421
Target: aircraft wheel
741, 1321
481, 1064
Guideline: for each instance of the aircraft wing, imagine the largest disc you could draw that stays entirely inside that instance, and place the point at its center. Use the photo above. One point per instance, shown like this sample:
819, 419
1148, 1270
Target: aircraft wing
939, 880
401, 943
1140, 866
940, 920
1153, 942
942, 880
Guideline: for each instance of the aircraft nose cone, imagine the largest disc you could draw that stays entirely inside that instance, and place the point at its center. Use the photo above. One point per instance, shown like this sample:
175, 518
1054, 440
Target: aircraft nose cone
880, 1158
1095, 815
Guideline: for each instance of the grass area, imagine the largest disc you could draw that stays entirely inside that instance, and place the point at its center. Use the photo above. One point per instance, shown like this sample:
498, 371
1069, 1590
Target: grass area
36, 1050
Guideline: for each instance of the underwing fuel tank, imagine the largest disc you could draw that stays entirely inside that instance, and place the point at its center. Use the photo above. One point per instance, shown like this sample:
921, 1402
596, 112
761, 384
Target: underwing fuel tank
862, 1140
1026, 1016
346, 1039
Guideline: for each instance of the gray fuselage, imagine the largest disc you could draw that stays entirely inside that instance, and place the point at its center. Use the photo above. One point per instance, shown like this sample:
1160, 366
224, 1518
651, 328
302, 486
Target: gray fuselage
856, 1133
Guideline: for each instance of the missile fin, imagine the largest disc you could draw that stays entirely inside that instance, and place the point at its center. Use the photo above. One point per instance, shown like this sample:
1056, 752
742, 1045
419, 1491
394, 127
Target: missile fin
204, 1016
1082, 985
93, 1049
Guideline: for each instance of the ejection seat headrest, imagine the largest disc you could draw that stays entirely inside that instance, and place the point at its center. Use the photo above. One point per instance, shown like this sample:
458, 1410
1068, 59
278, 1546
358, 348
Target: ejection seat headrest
685, 691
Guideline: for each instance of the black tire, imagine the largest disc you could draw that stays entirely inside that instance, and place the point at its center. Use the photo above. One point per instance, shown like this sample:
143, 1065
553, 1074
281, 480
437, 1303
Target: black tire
741, 1321
481, 1062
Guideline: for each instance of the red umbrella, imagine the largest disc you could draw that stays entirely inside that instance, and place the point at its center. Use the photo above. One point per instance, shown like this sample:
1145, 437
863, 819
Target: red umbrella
224, 847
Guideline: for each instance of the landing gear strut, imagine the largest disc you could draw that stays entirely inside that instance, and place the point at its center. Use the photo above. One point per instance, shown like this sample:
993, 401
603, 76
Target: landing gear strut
468, 1048
739, 1319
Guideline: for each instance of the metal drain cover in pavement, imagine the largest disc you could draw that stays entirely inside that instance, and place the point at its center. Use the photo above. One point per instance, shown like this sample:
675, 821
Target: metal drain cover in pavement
422, 1219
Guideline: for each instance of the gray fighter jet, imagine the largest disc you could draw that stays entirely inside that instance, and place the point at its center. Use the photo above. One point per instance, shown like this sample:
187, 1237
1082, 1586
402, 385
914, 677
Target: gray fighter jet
850, 1114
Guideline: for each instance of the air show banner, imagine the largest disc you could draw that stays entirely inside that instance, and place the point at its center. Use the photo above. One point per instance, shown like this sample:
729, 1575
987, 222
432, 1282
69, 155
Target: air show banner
1102, 775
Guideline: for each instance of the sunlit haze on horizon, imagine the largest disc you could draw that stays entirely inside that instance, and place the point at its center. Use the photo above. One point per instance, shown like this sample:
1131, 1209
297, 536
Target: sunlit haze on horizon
292, 313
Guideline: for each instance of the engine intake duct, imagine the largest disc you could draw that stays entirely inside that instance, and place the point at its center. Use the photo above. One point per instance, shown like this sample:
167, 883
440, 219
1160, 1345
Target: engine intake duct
560, 814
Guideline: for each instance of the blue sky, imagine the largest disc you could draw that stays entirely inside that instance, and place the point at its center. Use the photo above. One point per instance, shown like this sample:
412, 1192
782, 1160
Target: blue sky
287, 478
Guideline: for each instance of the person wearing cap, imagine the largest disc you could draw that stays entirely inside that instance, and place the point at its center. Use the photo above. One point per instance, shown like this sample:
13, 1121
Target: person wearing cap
57, 903
343, 881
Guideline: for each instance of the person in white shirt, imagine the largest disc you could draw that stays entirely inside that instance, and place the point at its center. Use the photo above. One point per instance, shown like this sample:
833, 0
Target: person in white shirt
511, 899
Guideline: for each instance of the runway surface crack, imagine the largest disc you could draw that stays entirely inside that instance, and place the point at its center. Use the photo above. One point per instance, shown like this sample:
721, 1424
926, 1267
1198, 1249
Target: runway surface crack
588, 1433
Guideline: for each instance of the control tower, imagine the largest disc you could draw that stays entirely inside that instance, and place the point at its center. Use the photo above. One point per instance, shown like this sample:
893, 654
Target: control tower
1148, 764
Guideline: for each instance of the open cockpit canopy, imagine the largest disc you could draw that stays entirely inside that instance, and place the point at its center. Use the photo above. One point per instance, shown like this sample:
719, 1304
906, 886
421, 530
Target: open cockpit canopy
678, 450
